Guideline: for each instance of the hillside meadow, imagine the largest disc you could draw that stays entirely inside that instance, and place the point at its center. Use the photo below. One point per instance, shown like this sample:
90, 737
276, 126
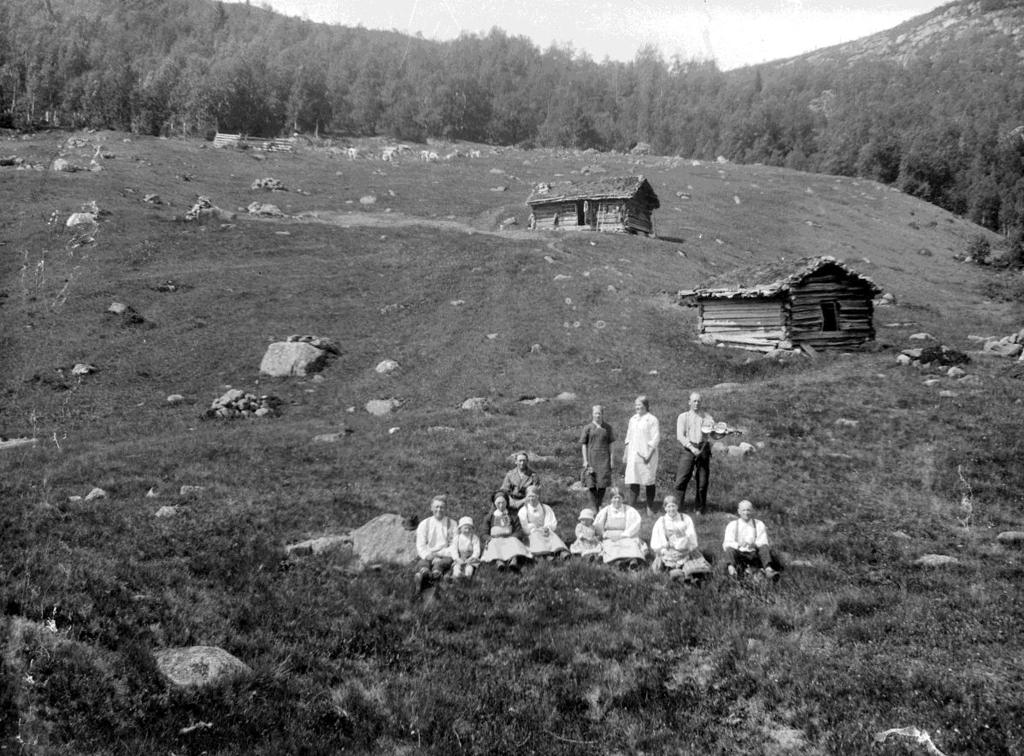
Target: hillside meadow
861, 467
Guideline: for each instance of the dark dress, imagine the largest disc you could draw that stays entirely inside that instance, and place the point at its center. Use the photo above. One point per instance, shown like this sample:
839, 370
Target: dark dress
598, 440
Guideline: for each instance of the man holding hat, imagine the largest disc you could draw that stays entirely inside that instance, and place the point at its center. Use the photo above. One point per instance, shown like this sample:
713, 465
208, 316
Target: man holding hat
693, 430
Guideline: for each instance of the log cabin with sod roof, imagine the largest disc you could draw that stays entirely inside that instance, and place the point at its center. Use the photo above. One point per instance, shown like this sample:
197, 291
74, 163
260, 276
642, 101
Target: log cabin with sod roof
620, 204
811, 303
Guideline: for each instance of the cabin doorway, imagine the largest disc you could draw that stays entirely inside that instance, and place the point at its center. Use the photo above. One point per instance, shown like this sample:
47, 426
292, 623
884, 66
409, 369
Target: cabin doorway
586, 213
830, 316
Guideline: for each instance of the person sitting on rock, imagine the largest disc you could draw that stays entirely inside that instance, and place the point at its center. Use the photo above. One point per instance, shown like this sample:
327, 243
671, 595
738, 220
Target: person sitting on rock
517, 480
465, 550
434, 537
746, 545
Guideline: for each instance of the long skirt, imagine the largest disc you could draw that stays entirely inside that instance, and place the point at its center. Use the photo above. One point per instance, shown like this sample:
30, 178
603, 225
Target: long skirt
504, 548
541, 545
691, 566
622, 548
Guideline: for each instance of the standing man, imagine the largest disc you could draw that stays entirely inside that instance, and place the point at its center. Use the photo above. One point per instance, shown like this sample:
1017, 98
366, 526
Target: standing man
693, 430
596, 445
640, 453
434, 538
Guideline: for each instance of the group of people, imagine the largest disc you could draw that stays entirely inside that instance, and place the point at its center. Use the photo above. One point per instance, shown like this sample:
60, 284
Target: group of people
520, 529
695, 431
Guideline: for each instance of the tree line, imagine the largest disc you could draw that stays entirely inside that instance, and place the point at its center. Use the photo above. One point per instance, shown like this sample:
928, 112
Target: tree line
946, 128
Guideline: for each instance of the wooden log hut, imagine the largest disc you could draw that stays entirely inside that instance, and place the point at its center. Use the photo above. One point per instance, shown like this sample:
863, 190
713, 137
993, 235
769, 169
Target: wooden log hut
814, 303
622, 204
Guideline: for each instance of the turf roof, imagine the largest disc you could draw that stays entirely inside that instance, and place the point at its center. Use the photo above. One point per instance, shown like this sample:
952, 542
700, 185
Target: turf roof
612, 187
773, 278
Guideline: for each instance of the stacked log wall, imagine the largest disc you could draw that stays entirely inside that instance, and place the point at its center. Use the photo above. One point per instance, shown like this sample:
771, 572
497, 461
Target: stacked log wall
609, 215
856, 312
758, 324
544, 215
638, 217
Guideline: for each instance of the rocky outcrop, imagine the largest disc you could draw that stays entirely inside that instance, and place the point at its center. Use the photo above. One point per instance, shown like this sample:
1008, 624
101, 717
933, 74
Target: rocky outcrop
237, 403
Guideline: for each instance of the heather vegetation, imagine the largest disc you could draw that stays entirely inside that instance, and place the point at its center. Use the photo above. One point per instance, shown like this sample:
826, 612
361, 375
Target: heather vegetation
940, 123
861, 467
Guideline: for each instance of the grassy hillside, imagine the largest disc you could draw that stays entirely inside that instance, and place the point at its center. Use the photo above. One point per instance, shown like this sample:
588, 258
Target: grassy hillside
856, 639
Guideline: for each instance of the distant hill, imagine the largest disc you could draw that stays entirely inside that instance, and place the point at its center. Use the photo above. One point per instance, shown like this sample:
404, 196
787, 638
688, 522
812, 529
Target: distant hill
958, 25
932, 107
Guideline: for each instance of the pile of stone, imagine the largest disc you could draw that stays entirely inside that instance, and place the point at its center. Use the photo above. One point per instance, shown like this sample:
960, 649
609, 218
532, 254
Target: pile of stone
270, 184
933, 356
237, 403
203, 209
1007, 346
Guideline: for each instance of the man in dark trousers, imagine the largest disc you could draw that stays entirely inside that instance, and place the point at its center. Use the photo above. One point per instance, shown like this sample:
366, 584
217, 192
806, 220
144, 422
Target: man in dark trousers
693, 430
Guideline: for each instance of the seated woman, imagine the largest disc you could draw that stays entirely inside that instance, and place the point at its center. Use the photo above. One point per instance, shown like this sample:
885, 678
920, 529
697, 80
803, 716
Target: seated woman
618, 525
517, 480
587, 543
538, 521
505, 549
674, 543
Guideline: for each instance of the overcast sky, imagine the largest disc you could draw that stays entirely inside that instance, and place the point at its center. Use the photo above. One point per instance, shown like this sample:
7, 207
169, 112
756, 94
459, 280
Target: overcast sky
732, 32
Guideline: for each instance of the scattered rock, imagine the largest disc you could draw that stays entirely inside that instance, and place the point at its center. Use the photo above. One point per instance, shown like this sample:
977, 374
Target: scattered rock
740, 450
440, 429
932, 382
203, 210
969, 380
948, 394
956, 372
96, 493
386, 366
922, 336
531, 400
264, 210
152, 199
901, 535
288, 358
845, 422
726, 387
78, 219
475, 403
565, 396
173, 399
152, 493
936, 560
236, 403
11, 443
535, 348
63, 166
382, 407
331, 438
167, 511
269, 184
198, 666
368, 199
1011, 538
190, 490
885, 300
320, 545
386, 539
83, 368
562, 277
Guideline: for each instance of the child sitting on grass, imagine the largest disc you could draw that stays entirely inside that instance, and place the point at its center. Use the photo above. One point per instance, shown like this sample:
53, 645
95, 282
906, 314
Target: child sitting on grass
587, 544
465, 550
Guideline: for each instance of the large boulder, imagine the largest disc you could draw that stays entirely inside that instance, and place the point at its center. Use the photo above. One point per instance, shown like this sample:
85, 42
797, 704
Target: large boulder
198, 666
285, 358
385, 539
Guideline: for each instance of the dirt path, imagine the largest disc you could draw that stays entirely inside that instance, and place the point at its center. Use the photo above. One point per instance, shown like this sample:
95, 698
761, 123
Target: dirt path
399, 220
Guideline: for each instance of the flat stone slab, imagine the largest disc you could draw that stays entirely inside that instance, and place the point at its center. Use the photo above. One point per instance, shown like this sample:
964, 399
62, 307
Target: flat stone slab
198, 666
319, 545
936, 560
1011, 538
11, 443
